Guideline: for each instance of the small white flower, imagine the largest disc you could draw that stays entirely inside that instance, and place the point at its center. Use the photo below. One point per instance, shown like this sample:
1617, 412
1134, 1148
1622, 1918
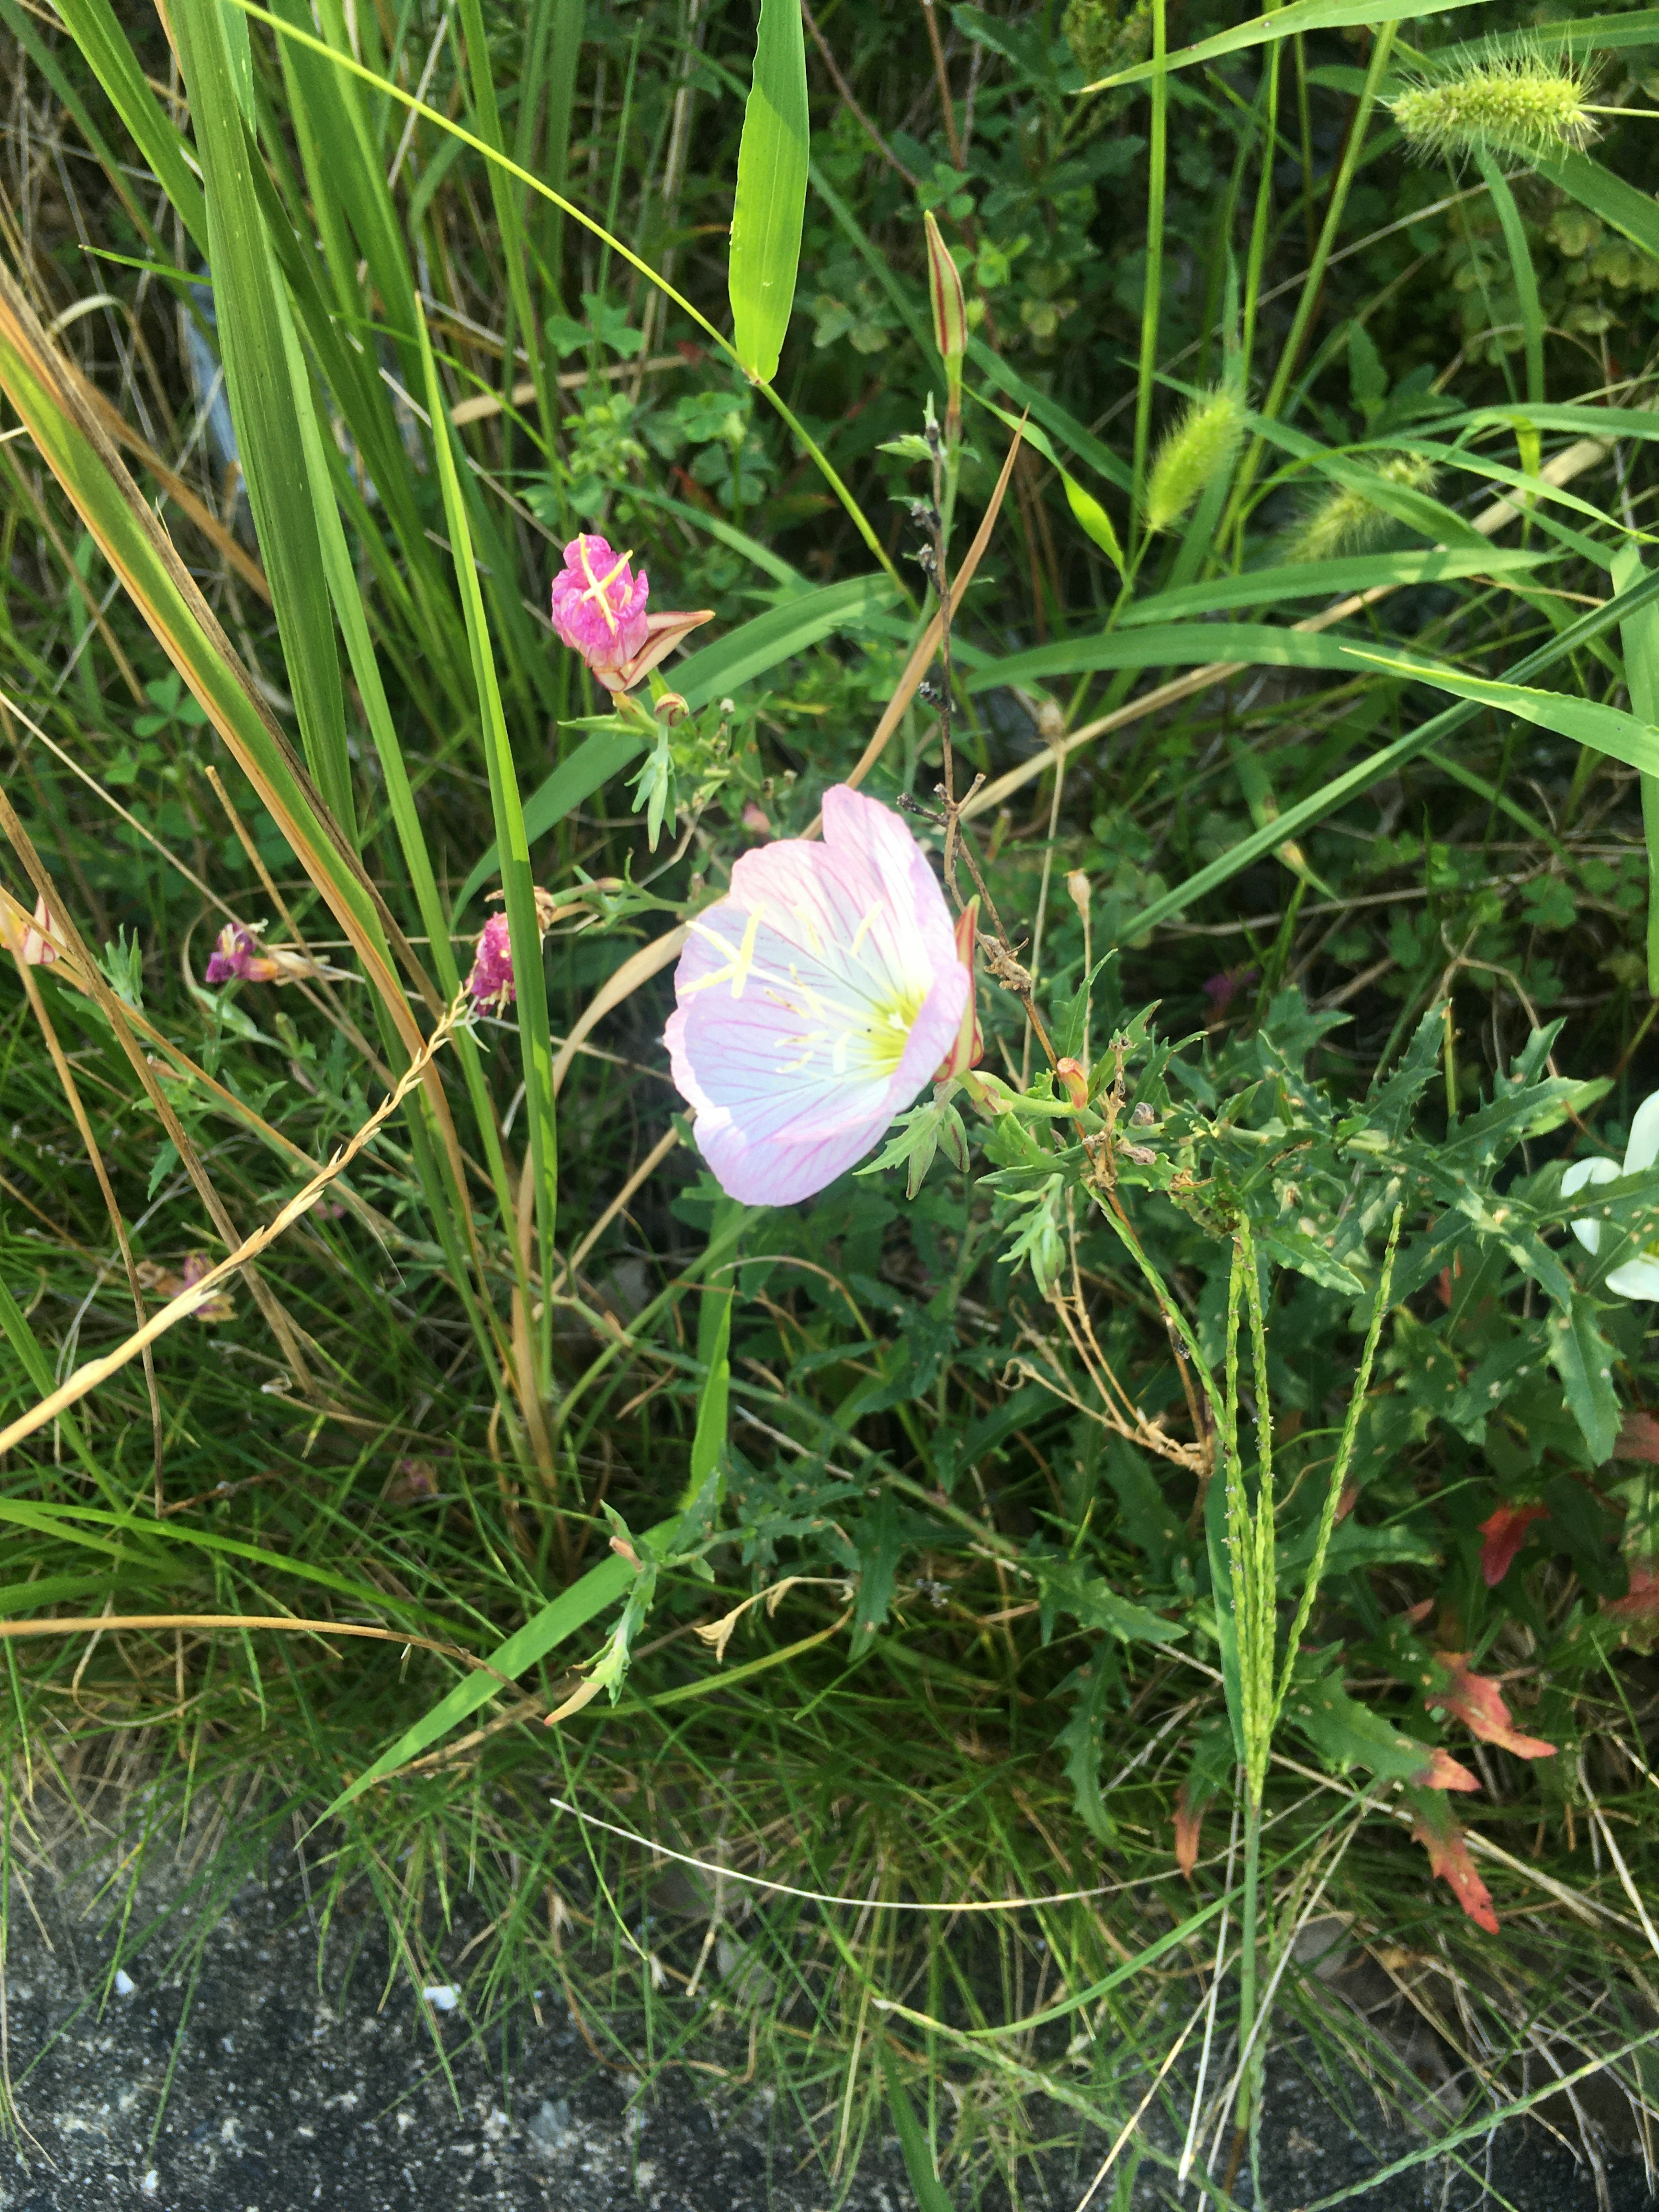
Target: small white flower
1637, 1278
441, 1997
124, 1984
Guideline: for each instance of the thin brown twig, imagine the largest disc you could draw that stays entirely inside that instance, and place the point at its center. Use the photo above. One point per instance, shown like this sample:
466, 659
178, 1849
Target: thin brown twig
851, 103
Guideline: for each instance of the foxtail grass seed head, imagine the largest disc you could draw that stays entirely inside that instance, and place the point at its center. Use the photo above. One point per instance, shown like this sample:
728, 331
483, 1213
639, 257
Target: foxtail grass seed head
1348, 518
1195, 451
1523, 106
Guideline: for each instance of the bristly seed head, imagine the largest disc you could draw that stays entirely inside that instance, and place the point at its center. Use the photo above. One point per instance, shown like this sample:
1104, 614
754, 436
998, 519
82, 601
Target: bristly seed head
1522, 104
1349, 518
1196, 451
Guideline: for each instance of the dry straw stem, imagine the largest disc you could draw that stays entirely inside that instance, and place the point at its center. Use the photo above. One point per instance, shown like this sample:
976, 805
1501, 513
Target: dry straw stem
115, 1012
87, 1377
1565, 465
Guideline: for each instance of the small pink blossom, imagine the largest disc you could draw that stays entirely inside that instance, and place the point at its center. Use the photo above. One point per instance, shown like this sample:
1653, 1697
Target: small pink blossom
490, 985
598, 611
236, 957
814, 1001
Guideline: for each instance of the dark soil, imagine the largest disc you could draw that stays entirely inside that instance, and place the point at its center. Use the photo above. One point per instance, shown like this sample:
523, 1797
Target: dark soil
239, 2086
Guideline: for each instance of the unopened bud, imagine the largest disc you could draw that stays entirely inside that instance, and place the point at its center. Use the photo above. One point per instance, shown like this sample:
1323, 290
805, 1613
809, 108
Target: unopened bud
671, 709
950, 319
1075, 1078
1077, 885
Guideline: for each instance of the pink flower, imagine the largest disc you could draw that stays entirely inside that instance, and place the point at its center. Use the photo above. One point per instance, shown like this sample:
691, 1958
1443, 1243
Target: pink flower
490, 984
236, 957
598, 611
599, 603
814, 1001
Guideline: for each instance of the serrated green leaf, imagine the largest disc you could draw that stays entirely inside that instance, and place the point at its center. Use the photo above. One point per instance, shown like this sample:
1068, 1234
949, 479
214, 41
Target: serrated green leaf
1583, 1358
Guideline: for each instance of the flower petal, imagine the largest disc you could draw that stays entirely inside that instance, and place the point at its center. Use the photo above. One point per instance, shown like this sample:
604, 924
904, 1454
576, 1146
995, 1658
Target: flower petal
1581, 1174
1642, 1149
1637, 1279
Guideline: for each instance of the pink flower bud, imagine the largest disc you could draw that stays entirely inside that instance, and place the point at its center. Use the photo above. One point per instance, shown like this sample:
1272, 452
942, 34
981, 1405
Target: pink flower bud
970, 1042
1073, 1079
38, 950
950, 316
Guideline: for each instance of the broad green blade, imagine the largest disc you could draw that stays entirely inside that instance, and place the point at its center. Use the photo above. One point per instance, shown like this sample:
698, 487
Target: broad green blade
1331, 797
1285, 23
771, 198
1526, 277
92, 24
530, 1003
931, 2194
760, 644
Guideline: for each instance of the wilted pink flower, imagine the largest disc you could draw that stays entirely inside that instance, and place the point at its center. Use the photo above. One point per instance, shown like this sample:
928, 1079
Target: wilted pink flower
236, 957
490, 984
598, 611
814, 1001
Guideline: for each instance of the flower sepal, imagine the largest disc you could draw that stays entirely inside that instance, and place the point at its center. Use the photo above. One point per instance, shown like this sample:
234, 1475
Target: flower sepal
918, 1137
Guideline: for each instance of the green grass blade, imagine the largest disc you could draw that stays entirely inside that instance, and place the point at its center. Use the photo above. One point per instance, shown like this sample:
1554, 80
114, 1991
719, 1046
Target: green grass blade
603, 754
1526, 277
1319, 580
92, 26
1336, 794
528, 974
559, 1619
268, 385
931, 2194
771, 196
1639, 636
1283, 23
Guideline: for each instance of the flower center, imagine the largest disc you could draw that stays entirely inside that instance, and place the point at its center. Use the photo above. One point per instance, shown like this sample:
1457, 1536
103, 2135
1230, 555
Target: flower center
892, 1020
599, 588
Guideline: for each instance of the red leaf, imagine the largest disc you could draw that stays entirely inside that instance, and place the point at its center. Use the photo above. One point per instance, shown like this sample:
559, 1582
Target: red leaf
1642, 1602
1186, 1825
1639, 1439
1448, 1857
1478, 1702
1505, 1531
1445, 1773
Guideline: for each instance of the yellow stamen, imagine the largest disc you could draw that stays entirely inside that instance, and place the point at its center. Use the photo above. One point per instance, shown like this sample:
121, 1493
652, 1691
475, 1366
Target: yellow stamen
598, 586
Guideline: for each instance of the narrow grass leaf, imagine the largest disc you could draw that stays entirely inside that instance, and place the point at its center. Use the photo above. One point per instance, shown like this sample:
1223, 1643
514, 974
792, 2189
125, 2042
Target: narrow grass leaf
1319, 580
931, 2194
559, 1619
601, 756
1639, 636
1285, 22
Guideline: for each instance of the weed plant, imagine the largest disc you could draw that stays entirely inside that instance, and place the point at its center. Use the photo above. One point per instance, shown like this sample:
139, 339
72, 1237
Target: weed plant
1160, 1568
